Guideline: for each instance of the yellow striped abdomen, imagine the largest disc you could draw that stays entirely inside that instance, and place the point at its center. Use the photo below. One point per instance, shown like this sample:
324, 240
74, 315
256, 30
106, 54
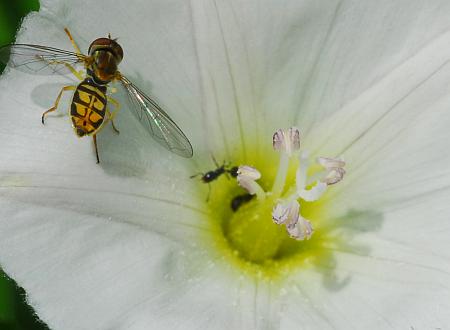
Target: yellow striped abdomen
88, 107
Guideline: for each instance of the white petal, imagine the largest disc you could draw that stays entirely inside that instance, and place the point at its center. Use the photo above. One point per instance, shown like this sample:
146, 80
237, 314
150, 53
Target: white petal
82, 272
392, 32
397, 146
365, 42
403, 155
391, 270
48, 165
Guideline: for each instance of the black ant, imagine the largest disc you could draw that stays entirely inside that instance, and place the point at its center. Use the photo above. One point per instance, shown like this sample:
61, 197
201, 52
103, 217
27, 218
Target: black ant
212, 175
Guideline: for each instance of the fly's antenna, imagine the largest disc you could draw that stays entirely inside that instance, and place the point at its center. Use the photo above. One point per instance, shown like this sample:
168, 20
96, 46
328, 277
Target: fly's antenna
109, 37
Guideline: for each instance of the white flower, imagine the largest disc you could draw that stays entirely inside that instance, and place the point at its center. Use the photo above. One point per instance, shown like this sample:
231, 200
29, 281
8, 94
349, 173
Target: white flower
132, 244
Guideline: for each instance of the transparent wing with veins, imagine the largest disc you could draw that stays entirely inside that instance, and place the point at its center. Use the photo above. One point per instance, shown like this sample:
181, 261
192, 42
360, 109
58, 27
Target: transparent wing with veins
37, 59
156, 121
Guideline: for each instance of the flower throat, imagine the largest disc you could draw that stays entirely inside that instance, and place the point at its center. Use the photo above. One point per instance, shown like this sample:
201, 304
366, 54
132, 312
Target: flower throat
267, 213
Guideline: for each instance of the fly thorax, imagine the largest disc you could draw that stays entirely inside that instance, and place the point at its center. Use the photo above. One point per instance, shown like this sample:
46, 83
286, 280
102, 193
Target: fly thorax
104, 66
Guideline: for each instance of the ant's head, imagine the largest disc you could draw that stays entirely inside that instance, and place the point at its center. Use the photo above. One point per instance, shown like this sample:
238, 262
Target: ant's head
233, 171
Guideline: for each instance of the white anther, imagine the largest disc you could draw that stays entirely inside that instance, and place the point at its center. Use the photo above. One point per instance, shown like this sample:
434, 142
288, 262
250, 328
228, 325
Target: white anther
329, 163
248, 172
334, 167
287, 141
334, 175
286, 213
300, 230
246, 179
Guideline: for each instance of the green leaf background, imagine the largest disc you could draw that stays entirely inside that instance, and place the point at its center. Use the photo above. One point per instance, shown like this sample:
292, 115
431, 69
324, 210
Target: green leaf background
15, 314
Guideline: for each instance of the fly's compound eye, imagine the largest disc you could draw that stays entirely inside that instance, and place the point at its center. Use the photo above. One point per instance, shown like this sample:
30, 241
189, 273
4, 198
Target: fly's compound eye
106, 62
106, 44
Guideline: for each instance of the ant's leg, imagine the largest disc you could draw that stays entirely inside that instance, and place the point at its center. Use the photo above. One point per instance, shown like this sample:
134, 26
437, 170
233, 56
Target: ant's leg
196, 175
77, 49
209, 192
66, 88
94, 136
215, 161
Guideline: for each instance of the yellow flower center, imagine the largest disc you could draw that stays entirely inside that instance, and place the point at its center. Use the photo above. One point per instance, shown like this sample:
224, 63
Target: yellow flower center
258, 240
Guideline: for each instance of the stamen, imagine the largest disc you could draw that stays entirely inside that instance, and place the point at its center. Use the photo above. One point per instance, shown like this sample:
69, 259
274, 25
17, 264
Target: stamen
301, 229
280, 179
300, 176
280, 214
314, 193
286, 213
287, 142
334, 175
248, 172
246, 176
249, 229
335, 170
311, 194
329, 163
298, 227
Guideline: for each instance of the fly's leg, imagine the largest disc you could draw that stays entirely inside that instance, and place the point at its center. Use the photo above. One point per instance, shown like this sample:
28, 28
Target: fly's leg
110, 117
78, 51
112, 114
78, 74
55, 106
74, 44
94, 136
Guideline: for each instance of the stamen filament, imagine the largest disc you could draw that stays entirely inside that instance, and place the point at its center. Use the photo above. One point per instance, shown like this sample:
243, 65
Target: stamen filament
280, 179
246, 177
259, 192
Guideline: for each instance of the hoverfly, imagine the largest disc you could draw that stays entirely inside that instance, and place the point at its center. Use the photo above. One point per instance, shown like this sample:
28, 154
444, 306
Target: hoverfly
89, 112
213, 175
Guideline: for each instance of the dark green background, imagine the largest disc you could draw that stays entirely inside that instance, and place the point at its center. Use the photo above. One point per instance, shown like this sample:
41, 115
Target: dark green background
14, 312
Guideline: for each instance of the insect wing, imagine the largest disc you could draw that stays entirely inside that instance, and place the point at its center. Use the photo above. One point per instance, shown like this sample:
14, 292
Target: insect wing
158, 123
38, 59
